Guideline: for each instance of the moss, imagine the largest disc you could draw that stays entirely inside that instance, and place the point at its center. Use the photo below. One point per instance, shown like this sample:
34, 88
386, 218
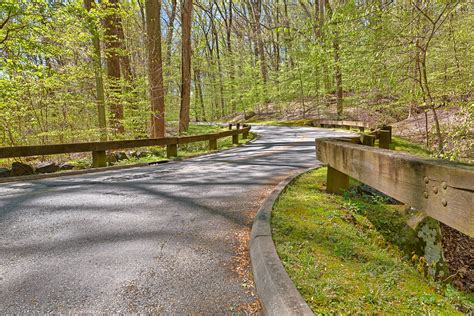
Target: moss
351, 254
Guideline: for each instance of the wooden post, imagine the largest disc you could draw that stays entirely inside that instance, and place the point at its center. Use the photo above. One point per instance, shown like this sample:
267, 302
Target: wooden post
336, 181
213, 144
99, 159
361, 128
367, 140
238, 125
389, 129
235, 139
245, 135
172, 150
230, 126
384, 139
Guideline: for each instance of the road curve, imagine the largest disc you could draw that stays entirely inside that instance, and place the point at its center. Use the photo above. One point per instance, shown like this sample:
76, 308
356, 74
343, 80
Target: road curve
170, 238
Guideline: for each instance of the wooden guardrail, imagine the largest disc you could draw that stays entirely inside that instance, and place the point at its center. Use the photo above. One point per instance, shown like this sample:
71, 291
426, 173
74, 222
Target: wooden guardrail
441, 189
344, 124
99, 149
381, 132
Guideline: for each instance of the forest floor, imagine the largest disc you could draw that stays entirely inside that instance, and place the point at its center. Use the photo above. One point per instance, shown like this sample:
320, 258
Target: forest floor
354, 253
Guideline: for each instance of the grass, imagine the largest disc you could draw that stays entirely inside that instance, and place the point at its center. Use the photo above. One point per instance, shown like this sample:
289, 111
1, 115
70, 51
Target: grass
405, 145
351, 254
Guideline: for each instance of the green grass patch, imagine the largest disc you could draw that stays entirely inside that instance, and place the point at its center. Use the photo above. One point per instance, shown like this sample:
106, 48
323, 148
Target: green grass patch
197, 129
401, 144
351, 254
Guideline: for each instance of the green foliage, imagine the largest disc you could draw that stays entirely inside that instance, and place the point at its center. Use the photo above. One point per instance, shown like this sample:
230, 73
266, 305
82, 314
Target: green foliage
47, 73
347, 254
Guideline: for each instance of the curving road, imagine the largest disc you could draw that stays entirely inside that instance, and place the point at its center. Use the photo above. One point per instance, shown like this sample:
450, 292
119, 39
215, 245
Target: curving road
170, 238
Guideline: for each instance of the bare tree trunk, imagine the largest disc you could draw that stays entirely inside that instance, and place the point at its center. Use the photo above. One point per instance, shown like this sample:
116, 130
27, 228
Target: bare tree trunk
155, 68
219, 65
198, 85
113, 66
170, 31
169, 43
338, 77
186, 18
125, 64
99, 81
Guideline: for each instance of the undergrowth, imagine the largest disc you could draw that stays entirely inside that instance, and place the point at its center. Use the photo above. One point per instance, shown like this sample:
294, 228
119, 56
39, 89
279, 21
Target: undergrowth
352, 254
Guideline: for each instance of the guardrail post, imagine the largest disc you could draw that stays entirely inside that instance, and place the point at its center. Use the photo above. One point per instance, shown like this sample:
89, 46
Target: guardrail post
245, 134
238, 125
367, 140
384, 139
389, 129
213, 144
230, 126
235, 139
99, 159
336, 181
172, 150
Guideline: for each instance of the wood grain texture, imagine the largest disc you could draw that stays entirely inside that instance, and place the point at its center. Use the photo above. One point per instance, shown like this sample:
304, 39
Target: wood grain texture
443, 190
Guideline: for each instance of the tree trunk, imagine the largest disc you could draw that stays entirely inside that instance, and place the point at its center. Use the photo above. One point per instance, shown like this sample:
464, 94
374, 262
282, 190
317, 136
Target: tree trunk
113, 66
338, 77
99, 81
186, 14
219, 66
170, 31
198, 85
155, 68
169, 44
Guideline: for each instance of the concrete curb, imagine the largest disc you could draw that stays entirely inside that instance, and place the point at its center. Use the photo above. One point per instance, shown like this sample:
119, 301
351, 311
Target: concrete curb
277, 292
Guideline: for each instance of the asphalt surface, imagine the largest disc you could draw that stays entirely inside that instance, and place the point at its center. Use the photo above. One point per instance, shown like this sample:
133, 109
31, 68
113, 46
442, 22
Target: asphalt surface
168, 238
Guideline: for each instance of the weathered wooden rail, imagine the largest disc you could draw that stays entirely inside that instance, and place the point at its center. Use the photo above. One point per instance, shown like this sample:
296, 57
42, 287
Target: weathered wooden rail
440, 189
99, 149
381, 132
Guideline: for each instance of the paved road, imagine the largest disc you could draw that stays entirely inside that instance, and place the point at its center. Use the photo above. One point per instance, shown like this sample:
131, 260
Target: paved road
167, 238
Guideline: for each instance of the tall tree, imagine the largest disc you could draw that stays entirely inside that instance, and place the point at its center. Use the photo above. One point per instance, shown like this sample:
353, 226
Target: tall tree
155, 68
186, 19
113, 46
99, 81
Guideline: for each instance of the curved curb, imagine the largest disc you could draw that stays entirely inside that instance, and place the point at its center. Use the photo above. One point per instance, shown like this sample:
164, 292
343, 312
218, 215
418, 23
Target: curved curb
277, 292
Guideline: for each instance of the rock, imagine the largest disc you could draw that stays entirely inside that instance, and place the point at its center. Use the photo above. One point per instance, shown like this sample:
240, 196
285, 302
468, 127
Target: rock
66, 166
21, 169
4, 172
249, 115
140, 154
47, 167
111, 159
121, 156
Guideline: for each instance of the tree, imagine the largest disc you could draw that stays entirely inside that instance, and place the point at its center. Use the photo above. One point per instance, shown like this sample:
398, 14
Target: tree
155, 68
186, 17
99, 82
113, 45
